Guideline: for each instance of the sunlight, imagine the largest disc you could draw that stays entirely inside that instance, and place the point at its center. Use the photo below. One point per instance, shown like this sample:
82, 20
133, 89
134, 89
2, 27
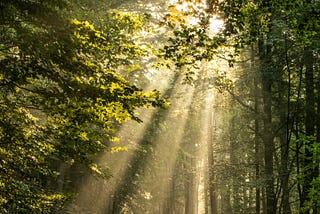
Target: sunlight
206, 120
161, 166
159, 107
94, 194
146, 171
190, 13
192, 20
215, 25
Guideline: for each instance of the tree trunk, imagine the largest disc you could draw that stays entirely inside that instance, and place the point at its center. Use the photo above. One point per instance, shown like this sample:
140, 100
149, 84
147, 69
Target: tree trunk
268, 148
284, 171
317, 170
267, 134
285, 138
212, 177
309, 123
256, 132
264, 201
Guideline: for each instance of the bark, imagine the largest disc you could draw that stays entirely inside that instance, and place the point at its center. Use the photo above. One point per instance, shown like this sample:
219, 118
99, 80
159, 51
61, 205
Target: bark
256, 133
284, 171
264, 201
309, 123
285, 137
257, 165
268, 147
295, 129
317, 170
267, 134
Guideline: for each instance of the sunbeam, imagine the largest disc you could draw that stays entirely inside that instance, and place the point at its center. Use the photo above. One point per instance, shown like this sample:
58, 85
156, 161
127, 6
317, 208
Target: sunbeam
169, 151
161, 166
95, 195
159, 107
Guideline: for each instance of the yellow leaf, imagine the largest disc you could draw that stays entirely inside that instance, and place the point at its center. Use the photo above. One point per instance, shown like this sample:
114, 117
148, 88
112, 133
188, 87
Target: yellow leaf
75, 21
83, 136
173, 9
118, 149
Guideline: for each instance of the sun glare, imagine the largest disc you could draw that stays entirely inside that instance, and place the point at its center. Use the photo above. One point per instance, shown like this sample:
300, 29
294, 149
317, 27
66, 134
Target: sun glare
190, 13
215, 25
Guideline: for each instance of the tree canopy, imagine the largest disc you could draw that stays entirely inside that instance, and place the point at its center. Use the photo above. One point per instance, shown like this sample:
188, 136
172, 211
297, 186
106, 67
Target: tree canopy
61, 95
65, 89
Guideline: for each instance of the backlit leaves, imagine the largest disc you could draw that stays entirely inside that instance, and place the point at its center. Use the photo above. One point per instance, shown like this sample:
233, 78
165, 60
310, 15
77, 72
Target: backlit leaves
61, 97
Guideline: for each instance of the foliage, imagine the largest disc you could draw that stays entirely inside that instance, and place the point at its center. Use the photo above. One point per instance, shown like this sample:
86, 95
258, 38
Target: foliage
279, 34
310, 143
280, 31
190, 43
61, 96
313, 195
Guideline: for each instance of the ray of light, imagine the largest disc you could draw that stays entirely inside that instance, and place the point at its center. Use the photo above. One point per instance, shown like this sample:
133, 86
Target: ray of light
203, 159
156, 154
95, 194
168, 142
151, 180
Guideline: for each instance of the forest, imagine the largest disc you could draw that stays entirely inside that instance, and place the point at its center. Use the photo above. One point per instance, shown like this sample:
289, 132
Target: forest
159, 106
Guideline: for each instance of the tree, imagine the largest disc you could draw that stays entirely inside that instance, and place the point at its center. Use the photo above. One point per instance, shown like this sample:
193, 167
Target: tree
61, 97
280, 31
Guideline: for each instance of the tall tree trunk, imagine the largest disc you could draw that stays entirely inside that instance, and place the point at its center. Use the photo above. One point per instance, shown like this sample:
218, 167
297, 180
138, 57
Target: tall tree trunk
264, 201
285, 138
257, 165
268, 147
236, 196
317, 170
295, 130
256, 132
267, 134
257, 161
309, 122
284, 171
212, 177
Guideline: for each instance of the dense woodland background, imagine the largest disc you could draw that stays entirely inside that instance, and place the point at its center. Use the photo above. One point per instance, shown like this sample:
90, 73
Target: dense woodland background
74, 73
